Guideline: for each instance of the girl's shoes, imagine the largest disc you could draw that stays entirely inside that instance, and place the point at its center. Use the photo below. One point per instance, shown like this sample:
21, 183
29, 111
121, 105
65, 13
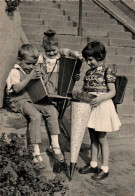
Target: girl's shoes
59, 156
100, 175
39, 162
88, 169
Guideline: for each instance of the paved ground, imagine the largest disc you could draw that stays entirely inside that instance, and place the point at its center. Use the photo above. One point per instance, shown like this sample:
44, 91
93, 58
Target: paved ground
121, 181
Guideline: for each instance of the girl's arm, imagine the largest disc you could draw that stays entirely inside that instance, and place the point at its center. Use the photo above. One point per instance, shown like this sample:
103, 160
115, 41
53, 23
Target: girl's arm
111, 87
20, 86
72, 53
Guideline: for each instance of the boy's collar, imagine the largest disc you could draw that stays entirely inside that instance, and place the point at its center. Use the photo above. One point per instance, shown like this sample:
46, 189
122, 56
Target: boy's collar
16, 66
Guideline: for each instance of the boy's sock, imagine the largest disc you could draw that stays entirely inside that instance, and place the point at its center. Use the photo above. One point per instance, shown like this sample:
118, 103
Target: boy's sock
105, 168
37, 151
93, 164
55, 144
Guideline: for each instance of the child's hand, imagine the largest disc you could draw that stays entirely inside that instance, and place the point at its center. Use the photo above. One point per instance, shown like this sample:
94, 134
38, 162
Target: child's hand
96, 101
35, 74
77, 76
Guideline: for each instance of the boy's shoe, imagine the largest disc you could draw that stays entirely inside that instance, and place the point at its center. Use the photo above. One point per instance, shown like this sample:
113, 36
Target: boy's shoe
59, 157
88, 169
100, 175
38, 162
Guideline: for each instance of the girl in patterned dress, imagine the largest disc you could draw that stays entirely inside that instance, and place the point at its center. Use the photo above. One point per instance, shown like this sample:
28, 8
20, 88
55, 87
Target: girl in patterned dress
103, 117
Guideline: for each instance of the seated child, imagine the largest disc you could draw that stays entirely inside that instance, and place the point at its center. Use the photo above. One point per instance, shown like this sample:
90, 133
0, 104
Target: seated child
49, 61
22, 73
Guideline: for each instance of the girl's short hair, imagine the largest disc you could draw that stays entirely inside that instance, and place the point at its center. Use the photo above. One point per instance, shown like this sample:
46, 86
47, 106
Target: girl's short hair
94, 49
27, 50
50, 39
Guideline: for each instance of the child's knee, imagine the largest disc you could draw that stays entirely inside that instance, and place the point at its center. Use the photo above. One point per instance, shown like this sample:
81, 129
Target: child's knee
36, 116
53, 111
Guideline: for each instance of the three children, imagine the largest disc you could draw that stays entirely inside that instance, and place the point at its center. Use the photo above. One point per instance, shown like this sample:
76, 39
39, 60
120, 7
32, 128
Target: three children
103, 117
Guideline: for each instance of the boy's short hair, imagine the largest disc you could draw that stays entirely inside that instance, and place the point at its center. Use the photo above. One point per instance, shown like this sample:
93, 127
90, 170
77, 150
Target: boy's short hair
94, 49
27, 50
50, 39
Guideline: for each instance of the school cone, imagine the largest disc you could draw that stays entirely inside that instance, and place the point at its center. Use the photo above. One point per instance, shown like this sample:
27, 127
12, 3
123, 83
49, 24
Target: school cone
80, 112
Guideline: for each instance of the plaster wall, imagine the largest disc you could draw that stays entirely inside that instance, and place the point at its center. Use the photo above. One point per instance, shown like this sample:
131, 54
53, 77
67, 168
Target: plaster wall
10, 41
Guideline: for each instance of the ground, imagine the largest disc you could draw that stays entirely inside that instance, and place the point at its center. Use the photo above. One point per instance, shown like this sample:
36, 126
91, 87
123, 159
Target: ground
121, 180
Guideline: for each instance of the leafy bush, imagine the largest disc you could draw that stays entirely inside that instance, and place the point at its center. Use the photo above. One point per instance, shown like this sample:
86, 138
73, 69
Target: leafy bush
18, 174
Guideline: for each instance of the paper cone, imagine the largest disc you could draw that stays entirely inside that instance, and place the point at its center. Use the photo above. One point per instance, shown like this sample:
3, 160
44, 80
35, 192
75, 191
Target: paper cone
72, 168
80, 112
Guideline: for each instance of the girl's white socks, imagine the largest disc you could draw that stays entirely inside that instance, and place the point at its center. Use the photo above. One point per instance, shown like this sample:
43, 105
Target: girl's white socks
105, 168
93, 164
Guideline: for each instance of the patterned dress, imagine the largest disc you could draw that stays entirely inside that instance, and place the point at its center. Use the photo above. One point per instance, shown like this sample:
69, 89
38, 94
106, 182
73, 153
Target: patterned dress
102, 117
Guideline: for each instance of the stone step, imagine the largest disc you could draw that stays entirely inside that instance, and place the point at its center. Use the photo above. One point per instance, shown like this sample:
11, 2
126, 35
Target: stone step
41, 29
122, 35
9, 123
39, 3
47, 22
118, 59
127, 51
122, 42
103, 32
126, 110
62, 38
40, 10
103, 26
84, 13
90, 20
28, 15
88, 7
124, 69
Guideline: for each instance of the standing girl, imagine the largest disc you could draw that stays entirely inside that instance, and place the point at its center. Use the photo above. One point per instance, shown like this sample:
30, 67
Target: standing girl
100, 81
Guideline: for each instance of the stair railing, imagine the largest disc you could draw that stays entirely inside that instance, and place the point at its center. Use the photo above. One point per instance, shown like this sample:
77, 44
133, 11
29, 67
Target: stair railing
80, 19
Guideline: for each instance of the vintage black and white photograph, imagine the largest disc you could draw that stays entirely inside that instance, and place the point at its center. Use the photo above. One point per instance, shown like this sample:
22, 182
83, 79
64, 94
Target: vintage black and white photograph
67, 97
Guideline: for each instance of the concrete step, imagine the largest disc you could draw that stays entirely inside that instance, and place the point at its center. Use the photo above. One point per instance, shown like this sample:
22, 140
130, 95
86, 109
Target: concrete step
62, 38
88, 7
97, 20
40, 10
122, 42
127, 51
77, 47
39, 3
126, 110
122, 35
124, 69
84, 13
99, 31
28, 15
103, 26
117, 59
47, 22
41, 29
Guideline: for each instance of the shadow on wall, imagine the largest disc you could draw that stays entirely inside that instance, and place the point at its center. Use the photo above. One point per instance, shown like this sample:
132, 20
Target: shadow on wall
10, 41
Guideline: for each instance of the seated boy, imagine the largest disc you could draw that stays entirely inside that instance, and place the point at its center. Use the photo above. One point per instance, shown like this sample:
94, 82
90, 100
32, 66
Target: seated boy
19, 77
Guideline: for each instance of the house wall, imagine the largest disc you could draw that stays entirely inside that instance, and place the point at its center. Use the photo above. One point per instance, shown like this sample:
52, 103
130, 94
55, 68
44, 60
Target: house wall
10, 41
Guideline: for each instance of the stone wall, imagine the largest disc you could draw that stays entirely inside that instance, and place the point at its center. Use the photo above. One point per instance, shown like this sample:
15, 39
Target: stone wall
10, 41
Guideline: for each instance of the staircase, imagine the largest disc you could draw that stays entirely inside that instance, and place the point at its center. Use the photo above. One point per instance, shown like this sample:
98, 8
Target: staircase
62, 16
